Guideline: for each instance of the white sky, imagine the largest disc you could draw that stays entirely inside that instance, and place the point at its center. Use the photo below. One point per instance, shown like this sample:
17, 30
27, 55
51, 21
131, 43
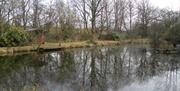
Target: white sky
171, 4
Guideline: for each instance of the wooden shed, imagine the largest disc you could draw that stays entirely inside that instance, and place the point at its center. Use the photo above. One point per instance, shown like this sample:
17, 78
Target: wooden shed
37, 34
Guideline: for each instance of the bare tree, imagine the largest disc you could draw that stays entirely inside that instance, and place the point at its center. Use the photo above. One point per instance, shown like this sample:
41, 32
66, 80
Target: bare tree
6, 8
24, 8
119, 14
105, 14
81, 6
2, 10
95, 9
108, 13
36, 12
60, 11
49, 15
130, 9
145, 11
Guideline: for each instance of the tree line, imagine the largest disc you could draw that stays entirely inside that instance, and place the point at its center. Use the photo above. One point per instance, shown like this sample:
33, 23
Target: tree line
135, 17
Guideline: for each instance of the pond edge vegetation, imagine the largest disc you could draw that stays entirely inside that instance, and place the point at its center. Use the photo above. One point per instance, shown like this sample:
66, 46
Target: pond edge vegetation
69, 45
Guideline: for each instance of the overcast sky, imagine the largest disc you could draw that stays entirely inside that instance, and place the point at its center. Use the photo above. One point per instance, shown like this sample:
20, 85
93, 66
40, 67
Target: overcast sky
171, 4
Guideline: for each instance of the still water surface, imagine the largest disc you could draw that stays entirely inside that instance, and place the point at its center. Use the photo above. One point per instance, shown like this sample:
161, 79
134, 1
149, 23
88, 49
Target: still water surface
127, 68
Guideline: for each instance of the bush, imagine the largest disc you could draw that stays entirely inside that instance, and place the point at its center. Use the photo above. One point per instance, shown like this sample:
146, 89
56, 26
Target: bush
84, 35
91, 42
156, 33
173, 34
109, 36
13, 38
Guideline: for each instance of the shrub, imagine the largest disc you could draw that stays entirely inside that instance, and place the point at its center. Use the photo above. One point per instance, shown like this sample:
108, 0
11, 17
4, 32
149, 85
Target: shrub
173, 34
109, 36
155, 35
84, 35
91, 42
13, 38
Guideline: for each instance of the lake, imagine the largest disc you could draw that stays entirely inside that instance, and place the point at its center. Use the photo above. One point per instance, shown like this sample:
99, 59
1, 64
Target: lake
119, 68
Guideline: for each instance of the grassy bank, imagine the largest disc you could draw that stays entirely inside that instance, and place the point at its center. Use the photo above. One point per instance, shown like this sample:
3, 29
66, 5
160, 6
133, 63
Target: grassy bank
79, 44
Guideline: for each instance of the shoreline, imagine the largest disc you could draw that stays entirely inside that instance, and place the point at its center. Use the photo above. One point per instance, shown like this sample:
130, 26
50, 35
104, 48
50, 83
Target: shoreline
68, 45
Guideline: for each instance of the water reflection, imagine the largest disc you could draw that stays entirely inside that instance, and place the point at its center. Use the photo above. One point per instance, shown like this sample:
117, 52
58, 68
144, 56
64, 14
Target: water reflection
129, 68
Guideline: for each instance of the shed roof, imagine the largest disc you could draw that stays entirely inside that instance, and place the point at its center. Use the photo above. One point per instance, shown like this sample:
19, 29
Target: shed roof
34, 29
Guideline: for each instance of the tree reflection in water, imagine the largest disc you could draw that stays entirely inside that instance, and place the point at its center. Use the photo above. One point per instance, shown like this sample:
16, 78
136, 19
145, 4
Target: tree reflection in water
94, 69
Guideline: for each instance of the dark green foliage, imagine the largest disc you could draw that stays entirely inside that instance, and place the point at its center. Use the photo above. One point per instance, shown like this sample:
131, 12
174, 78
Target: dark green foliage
69, 35
156, 34
84, 35
91, 42
109, 36
13, 38
173, 34
140, 31
162, 35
